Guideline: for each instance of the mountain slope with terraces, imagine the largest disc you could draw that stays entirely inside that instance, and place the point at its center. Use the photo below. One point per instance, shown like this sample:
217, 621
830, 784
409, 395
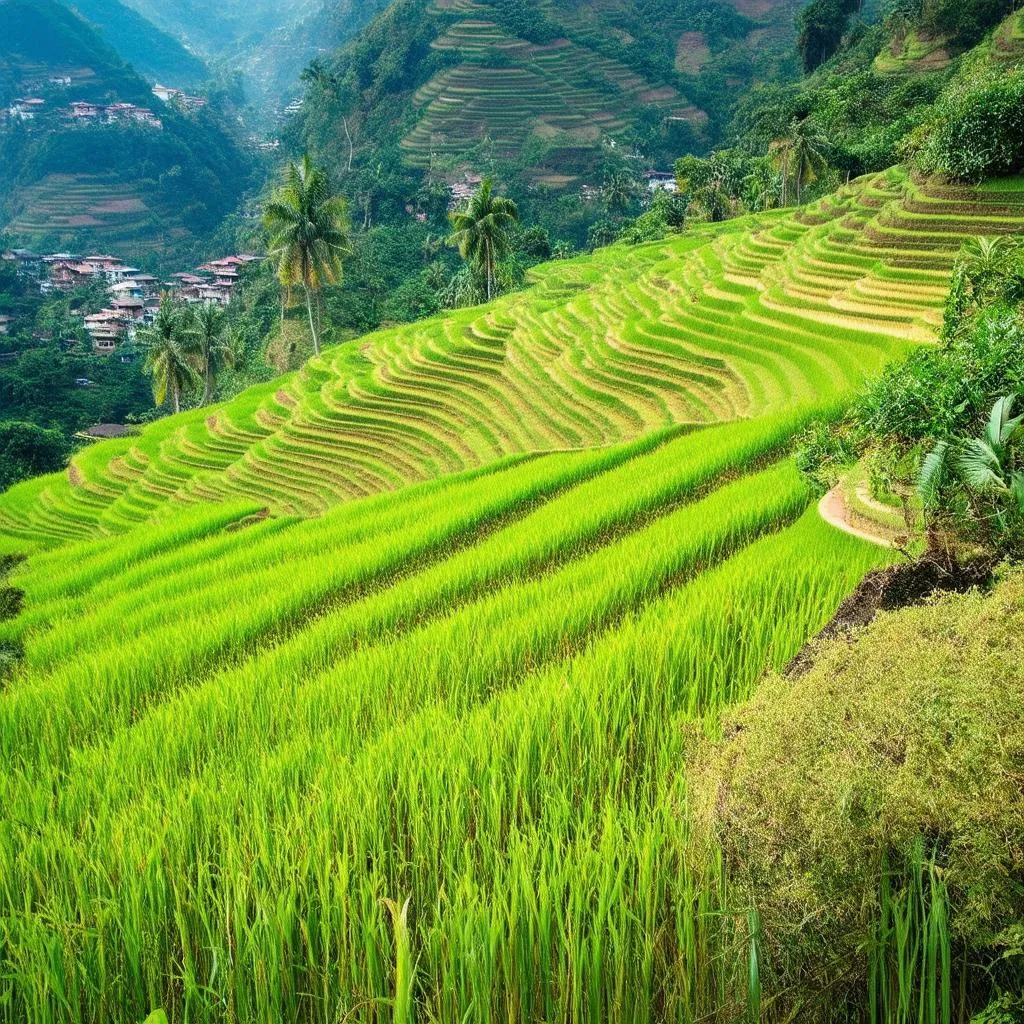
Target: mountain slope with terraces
543, 85
777, 311
144, 190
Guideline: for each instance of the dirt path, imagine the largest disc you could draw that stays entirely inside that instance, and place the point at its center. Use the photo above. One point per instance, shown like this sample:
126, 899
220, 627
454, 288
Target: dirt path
833, 510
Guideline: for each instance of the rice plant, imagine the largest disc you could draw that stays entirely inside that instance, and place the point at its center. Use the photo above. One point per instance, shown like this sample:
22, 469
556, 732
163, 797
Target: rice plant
364, 697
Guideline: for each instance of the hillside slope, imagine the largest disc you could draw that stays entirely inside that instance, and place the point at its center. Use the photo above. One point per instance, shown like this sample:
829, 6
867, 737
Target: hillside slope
39, 40
140, 189
153, 53
428, 620
724, 322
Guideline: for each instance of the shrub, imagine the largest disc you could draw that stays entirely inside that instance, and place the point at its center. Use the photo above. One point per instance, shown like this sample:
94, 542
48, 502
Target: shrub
648, 227
27, 450
979, 132
823, 452
913, 733
938, 393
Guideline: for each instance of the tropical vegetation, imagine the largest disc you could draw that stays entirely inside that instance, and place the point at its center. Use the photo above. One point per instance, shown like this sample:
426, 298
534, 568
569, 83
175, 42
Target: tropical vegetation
481, 232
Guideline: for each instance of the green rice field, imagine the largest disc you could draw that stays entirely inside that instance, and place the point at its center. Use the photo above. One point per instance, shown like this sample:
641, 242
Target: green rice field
364, 697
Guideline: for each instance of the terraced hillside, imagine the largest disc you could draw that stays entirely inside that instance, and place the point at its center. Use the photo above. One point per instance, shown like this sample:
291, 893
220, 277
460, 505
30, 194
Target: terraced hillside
722, 323
426, 621
507, 89
99, 211
542, 85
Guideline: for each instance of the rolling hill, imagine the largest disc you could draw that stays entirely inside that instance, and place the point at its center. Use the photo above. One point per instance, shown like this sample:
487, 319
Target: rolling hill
543, 85
141, 188
427, 620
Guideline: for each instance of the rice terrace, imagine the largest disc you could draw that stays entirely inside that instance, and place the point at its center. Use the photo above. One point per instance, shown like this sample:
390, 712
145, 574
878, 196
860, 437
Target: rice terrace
365, 696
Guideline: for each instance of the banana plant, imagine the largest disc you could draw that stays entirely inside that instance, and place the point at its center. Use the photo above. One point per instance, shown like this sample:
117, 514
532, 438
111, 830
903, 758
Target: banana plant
990, 467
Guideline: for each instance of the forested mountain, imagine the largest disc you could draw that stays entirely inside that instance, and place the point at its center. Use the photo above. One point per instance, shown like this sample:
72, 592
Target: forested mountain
39, 40
150, 187
154, 53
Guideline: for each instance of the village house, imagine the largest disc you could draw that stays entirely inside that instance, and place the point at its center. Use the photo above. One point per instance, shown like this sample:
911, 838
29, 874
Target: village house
167, 94
128, 289
106, 329
82, 111
661, 181
215, 293
146, 282
187, 287
113, 271
26, 263
101, 263
225, 278
129, 308
67, 275
60, 81
5, 323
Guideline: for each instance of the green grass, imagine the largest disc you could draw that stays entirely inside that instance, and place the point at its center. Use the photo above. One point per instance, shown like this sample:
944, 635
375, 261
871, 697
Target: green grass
364, 696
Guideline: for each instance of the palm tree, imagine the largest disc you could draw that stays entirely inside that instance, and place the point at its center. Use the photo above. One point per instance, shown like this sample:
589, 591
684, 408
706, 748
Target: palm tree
799, 155
170, 354
214, 347
482, 230
619, 190
308, 229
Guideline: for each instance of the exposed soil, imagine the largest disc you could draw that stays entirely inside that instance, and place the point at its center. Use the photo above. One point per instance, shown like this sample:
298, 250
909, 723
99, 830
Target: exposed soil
898, 586
692, 53
241, 524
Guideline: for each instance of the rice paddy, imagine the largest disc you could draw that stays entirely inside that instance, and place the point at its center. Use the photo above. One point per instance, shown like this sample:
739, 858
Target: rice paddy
506, 89
364, 696
99, 209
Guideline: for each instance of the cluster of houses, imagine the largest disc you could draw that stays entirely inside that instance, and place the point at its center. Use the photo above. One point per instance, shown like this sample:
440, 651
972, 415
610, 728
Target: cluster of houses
134, 296
464, 189
656, 181
28, 108
112, 113
83, 112
167, 94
